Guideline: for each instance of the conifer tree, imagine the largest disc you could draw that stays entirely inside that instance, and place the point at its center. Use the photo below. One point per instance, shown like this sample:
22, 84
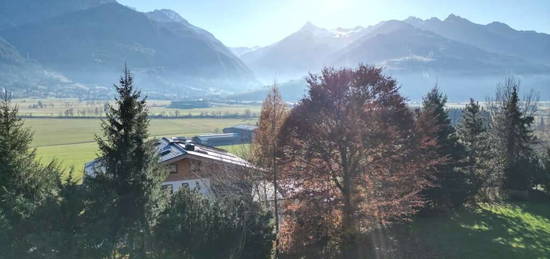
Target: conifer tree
24, 182
545, 178
472, 134
471, 127
449, 182
132, 174
512, 135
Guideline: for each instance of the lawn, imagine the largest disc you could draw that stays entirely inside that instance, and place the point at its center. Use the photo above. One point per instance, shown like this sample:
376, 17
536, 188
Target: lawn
72, 142
520, 230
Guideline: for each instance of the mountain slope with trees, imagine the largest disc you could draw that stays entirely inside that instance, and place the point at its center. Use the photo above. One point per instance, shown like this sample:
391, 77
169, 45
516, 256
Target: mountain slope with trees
89, 45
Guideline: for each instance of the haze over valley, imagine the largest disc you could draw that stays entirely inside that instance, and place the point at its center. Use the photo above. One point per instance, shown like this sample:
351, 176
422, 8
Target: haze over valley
78, 48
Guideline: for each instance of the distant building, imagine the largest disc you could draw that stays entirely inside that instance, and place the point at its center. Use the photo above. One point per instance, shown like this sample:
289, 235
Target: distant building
190, 165
214, 140
246, 132
240, 134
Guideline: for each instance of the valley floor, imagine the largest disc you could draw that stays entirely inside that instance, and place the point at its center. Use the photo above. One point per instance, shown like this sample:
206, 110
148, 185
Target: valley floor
72, 141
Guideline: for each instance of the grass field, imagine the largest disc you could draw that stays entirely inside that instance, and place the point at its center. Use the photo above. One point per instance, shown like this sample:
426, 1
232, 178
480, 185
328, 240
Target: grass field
72, 141
521, 230
58, 107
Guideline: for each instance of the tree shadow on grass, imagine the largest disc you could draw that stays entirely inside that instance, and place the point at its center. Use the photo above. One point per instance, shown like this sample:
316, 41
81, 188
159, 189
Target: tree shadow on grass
490, 231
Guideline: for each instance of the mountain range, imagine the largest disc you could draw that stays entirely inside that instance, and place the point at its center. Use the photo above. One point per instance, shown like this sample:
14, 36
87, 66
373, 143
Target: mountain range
454, 52
78, 48
90, 43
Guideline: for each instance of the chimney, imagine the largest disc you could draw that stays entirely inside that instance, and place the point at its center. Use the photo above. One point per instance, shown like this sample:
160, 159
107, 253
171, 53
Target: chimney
190, 147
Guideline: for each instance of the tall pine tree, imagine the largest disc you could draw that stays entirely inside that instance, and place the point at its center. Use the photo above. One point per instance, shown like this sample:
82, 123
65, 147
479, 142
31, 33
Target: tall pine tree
472, 134
434, 123
132, 173
24, 183
512, 136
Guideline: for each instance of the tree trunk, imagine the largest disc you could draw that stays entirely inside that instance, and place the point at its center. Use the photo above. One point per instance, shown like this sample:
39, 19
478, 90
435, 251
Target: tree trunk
276, 206
349, 237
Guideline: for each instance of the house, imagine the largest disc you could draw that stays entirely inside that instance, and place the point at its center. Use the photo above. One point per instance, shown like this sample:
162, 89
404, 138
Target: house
190, 165
246, 132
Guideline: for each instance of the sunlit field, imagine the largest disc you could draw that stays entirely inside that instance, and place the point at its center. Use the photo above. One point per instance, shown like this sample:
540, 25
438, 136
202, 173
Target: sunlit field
57, 107
72, 141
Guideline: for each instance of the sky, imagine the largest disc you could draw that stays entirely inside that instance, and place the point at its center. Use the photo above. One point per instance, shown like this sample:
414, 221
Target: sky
250, 23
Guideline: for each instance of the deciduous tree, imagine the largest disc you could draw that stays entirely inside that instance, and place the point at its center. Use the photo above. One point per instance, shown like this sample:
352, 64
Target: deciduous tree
265, 146
352, 159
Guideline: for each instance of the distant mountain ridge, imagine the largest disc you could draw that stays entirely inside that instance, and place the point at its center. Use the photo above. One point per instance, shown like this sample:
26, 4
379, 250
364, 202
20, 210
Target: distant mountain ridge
81, 45
308, 49
464, 58
401, 47
19, 12
494, 37
89, 44
454, 45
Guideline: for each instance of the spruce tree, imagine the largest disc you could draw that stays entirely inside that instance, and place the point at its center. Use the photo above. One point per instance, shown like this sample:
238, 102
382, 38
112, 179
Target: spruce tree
472, 134
24, 182
545, 172
20, 173
513, 137
472, 125
132, 173
449, 182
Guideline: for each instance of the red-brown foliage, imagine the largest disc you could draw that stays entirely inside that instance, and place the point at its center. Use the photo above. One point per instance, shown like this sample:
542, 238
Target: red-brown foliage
351, 159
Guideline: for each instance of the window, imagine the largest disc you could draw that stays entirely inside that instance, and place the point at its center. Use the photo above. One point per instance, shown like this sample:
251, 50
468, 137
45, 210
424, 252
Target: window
185, 185
197, 186
168, 188
173, 168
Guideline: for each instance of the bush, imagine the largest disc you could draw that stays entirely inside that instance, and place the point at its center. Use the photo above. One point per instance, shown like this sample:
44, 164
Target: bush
193, 226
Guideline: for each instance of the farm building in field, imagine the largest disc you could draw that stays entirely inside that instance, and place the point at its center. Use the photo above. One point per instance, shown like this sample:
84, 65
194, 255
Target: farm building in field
240, 134
190, 165
214, 140
246, 132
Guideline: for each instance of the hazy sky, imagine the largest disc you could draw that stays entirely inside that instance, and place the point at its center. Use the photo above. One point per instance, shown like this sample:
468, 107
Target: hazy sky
262, 22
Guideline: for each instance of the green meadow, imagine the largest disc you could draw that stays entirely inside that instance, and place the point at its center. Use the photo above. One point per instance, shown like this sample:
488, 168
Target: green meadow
57, 107
500, 231
72, 141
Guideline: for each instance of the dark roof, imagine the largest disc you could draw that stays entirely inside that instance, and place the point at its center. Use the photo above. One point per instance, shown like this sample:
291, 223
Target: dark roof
208, 137
244, 127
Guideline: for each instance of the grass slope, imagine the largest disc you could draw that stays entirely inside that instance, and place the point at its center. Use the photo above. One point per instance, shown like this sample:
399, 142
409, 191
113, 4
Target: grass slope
520, 230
